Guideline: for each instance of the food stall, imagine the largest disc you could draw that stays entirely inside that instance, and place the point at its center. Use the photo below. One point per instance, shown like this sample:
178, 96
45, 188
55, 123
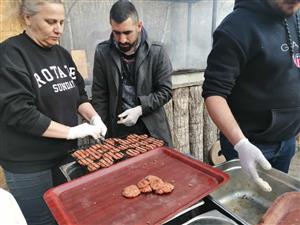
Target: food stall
96, 198
221, 201
202, 194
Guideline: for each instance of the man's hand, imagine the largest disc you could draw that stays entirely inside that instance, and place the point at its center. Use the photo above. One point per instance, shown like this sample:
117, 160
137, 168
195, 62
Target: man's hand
83, 130
97, 121
130, 116
249, 155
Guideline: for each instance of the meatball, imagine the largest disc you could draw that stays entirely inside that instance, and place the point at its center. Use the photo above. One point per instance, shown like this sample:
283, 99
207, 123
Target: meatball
131, 191
144, 186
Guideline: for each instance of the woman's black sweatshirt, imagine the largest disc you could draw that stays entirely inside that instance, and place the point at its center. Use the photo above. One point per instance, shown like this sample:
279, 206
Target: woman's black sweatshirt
37, 85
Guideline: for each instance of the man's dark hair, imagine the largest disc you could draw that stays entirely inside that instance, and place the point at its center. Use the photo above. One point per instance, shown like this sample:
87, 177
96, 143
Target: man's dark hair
122, 10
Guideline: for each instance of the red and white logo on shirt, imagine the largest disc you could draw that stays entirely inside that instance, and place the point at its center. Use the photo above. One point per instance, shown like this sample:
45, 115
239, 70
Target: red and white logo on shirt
296, 59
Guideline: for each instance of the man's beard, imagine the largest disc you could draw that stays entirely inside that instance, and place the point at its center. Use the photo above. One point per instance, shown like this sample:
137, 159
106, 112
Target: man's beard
125, 47
278, 10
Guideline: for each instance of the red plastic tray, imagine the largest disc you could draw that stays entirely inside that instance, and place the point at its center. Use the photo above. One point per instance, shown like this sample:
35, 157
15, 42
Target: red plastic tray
285, 210
96, 198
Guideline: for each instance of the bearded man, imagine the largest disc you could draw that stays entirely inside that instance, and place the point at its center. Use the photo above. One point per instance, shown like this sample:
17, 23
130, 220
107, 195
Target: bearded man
131, 78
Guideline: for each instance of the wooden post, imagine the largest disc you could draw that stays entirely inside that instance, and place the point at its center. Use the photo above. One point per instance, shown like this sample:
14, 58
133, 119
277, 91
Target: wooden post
80, 59
196, 122
181, 119
210, 134
169, 111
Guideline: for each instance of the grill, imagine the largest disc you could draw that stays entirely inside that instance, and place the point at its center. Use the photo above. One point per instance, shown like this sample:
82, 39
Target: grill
92, 156
113, 150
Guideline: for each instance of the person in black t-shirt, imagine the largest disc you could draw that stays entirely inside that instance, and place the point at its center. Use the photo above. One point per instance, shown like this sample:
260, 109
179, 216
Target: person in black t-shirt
132, 78
41, 94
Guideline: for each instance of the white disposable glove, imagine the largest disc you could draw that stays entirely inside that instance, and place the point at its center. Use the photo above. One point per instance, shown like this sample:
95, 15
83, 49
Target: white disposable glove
83, 130
97, 121
130, 116
249, 155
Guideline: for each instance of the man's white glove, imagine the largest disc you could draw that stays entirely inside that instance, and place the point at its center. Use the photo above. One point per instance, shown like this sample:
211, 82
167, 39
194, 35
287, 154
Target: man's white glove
97, 121
83, 130
249, 155
130, 116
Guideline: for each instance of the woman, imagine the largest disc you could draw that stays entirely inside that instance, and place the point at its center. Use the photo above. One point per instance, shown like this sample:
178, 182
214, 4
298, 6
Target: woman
41, 93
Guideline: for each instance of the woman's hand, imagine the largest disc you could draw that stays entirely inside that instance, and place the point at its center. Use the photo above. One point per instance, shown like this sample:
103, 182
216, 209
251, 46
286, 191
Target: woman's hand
97, 121
83, 130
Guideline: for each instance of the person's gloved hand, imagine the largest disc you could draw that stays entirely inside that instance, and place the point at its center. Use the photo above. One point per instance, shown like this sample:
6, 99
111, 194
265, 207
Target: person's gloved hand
83, 130
97, 121
249, 155
130, 116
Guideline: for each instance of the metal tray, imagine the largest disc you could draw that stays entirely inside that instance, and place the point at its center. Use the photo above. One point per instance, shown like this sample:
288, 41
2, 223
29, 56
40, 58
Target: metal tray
96, 198
213, 217
243, 199
204, 212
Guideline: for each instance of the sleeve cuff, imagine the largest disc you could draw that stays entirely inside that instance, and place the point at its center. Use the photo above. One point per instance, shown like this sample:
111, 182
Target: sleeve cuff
41, 125
83, 99
143, 101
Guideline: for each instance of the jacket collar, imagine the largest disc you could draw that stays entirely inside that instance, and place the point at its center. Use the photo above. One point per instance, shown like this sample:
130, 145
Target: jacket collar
143, 50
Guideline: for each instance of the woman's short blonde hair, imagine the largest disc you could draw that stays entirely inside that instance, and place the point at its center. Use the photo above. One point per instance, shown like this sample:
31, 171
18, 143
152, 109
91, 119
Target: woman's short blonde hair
31, 7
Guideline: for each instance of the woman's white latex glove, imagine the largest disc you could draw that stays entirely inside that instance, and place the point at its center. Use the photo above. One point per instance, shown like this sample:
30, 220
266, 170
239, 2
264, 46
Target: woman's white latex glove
83, 130
249, 155
97, 121
10, 212
130, 116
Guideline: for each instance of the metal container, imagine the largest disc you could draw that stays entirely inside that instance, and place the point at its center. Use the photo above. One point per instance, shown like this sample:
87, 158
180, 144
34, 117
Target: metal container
243, 199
